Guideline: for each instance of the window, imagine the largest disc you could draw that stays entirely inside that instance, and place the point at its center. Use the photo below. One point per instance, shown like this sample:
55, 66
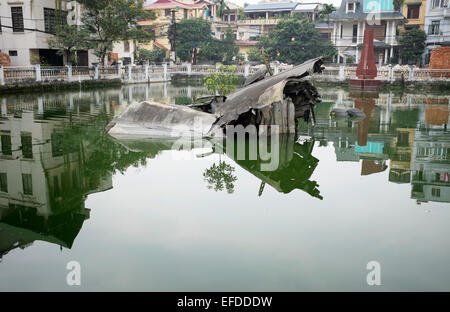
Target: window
17, 19
167, 12
436, 192
0, 25
12, 53
355, 34
3, 183
27, 183
27, 146
232, 18
413, 11
53, 18
185, 13
436, 4
342, 31
350, 7
434, 28
126, 46
6, 144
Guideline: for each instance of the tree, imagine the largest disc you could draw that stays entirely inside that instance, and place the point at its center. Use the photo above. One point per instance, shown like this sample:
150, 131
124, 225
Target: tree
230, 51
222, 7
254, 55
398, 4
295, 42
412, 45
198, 31
68, 39
110, 21
223, 81
155, 56
189, 31
326, 10
220, 177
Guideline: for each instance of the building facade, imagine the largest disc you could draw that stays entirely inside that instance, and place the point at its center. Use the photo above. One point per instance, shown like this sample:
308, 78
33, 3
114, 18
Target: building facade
414, 11
25, 27
437, 25
165, 11
353, 17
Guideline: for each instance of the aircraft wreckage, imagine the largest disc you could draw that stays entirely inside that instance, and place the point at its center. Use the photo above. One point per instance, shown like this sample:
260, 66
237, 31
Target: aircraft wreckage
274, 100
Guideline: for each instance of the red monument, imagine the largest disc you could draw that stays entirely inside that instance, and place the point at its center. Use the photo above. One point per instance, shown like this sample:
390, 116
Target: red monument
367, 70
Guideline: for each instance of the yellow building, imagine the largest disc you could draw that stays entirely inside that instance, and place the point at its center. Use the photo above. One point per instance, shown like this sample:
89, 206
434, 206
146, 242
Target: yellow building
164, 10
414, 11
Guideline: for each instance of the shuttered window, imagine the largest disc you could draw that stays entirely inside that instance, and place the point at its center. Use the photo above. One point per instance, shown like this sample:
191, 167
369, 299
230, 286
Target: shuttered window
17, 19
27, 182
53, 18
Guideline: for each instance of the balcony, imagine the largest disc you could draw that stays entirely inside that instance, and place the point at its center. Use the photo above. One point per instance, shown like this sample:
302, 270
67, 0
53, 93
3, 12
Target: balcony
270, 21
447, 13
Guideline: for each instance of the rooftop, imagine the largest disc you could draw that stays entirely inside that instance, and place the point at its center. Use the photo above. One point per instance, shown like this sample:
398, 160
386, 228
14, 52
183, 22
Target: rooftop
360, 14
163, 4
278, 6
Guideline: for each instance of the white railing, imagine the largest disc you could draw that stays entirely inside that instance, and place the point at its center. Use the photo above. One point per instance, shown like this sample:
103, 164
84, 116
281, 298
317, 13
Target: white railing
19, 73
154, 73
388, 74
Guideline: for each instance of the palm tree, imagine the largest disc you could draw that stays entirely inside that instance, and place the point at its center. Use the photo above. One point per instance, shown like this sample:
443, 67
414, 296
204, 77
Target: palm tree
326, 11
222, 7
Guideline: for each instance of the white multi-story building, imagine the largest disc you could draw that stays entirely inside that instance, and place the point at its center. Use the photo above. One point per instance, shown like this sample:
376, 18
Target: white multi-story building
26, 26
353, 17
437, 25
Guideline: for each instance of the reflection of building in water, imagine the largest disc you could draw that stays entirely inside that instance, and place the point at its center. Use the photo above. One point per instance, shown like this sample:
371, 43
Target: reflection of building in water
431, 167
409, 130
42, 188
400, 154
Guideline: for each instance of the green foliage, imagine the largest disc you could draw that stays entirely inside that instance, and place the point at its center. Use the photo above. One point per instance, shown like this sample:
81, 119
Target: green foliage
220, 177
110, 21
295, 42
222, 7
198, 31
324, 14
254, 55
68, 39
229, 50
155, 56
398, 4
223, 81
412, 45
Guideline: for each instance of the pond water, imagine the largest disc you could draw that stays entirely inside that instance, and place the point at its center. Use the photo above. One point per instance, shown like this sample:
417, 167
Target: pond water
140, 215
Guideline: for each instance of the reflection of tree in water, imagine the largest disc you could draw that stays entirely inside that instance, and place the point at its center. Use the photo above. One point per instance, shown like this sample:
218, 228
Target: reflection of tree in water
220, 177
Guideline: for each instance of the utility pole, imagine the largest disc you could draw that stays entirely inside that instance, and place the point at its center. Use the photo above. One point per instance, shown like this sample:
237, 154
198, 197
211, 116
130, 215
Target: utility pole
173, 52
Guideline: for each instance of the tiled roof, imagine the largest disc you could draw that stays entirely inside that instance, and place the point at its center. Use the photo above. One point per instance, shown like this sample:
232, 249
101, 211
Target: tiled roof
278, 6
359, 14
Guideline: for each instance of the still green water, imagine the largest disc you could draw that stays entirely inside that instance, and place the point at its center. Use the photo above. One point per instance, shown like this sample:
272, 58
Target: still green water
140, 216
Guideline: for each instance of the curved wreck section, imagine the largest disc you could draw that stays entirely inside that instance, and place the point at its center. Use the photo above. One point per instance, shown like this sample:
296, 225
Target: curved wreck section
274, 101
150, 119
277, 100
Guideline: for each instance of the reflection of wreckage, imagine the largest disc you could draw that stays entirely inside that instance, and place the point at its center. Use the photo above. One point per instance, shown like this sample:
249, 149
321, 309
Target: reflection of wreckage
294, 168
274, 101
